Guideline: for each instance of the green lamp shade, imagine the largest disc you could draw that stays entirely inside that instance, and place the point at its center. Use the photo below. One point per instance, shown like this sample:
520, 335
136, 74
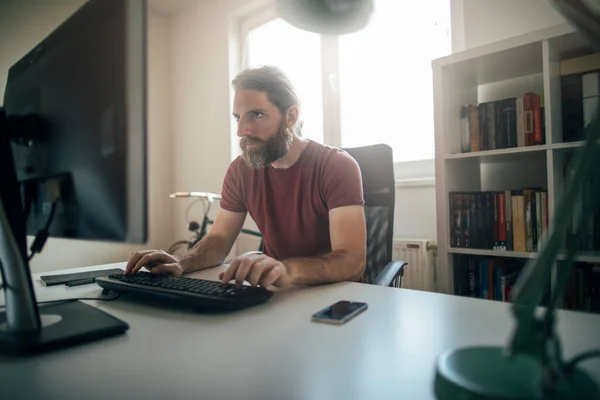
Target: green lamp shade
329, 17
477, 373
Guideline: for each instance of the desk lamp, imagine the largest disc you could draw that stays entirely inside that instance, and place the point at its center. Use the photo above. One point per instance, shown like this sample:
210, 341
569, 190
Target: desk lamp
530, 366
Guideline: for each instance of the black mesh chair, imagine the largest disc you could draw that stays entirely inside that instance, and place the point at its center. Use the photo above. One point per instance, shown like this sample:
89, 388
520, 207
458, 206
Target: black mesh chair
377, 168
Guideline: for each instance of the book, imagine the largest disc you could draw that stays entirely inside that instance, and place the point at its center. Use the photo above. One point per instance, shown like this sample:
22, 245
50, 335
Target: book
61, 279
580, 65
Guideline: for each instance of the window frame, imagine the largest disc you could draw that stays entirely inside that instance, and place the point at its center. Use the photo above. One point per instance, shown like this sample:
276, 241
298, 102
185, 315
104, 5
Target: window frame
415, 173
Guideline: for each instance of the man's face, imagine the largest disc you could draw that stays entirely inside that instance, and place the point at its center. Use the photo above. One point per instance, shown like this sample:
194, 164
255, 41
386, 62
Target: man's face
262, 128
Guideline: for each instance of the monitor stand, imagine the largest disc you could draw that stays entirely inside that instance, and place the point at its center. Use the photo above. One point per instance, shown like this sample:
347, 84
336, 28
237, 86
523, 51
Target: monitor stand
22, 330
62, 325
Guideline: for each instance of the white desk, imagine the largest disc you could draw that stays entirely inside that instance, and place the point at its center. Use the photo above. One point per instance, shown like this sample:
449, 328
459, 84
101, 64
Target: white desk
273, 351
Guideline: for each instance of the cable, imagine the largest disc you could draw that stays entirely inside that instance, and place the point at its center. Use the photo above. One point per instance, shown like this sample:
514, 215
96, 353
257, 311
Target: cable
582, 357
74, 299
42, 235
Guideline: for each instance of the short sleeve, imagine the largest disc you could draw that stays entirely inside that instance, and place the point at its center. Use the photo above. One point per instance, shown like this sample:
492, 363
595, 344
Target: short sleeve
342, 181
232, 198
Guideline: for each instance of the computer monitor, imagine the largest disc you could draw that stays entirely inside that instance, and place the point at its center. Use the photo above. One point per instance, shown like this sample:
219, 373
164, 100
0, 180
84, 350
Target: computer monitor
73, 162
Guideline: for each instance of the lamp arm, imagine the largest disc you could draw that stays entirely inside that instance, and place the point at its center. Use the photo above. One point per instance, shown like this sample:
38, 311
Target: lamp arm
532, 335
527, 288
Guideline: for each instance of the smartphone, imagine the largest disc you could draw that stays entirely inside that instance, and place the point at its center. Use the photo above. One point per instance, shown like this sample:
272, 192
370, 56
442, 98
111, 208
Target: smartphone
340, 312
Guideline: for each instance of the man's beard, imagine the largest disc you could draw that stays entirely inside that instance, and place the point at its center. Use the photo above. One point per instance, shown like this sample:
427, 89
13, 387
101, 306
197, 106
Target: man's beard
268, 151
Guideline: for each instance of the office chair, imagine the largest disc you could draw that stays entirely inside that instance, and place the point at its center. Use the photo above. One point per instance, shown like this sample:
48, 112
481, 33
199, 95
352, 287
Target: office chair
379, 190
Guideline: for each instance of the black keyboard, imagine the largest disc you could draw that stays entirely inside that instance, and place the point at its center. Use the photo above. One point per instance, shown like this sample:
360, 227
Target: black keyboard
197, 293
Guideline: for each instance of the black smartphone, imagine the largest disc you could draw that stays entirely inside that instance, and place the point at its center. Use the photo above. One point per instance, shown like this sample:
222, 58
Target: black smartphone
340, 312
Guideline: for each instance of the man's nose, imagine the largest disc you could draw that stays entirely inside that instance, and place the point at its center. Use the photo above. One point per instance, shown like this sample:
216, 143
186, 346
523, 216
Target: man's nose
243, 129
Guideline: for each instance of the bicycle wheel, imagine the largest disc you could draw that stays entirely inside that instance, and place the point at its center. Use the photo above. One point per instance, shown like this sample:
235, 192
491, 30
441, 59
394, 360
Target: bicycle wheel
178, 248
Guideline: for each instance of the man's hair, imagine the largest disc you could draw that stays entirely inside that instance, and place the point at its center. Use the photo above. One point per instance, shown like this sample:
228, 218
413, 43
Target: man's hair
274, 82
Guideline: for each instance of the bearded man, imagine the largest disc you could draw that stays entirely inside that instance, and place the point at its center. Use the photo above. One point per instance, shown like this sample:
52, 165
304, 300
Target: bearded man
305, 198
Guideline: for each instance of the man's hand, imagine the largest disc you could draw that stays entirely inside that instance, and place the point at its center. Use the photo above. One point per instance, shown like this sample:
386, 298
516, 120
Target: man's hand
257, 269
157, 261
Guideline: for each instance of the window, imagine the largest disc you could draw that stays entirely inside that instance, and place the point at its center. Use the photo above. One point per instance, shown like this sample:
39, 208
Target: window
372, 86
298, 53
386, 92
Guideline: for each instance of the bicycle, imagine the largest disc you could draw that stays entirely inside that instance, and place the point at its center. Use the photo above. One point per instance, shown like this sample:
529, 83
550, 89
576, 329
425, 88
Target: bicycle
199, 230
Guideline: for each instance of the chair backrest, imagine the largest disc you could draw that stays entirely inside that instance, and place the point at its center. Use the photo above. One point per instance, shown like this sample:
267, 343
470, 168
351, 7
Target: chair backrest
377, 168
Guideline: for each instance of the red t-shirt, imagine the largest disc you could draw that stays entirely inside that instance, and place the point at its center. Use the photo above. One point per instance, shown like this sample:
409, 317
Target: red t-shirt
291, 206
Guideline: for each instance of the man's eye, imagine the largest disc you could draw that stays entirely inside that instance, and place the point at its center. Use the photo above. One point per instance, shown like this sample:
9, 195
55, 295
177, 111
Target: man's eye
256, 115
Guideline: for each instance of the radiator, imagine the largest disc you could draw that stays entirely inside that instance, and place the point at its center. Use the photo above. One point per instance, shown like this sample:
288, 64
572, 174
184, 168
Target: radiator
421, 256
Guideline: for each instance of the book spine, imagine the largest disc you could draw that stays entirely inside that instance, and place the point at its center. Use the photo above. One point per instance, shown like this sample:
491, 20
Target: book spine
499, 125
483, 135
480, 220
472, 277
474, 127
509, 222
466, 223
496, 221
591, 97
528, 117
537, 120
465, 130
520, 123
490, 119
544, 201
519, 229
571, 107
510, 120
528, 221
501, 221
473, 227
538, 220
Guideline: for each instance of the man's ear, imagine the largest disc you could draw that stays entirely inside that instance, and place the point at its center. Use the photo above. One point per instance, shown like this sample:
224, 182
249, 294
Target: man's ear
292, 116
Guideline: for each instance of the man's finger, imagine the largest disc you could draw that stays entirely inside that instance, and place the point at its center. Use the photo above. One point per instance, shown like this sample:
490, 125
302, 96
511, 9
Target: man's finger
156, 257
243, 270
134, 258
259, 269
274, 274
171, 269
230, 271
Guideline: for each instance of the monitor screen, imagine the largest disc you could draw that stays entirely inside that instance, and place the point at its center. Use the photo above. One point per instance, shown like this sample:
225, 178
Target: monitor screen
86, 81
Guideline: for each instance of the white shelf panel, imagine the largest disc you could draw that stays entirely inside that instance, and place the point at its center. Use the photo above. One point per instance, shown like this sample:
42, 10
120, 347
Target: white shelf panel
588, 257
567, 145
583, 257
510, 58
491, 253
497, 153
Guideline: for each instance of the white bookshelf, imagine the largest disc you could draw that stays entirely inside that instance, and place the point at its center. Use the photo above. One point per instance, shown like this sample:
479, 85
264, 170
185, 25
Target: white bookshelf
507, 68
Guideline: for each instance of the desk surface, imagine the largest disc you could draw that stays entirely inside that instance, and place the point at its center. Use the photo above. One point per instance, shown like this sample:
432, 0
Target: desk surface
274, 351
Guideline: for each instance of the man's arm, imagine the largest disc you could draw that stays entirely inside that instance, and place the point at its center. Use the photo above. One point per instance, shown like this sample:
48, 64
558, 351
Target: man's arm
347, 260
209, 252
214, 247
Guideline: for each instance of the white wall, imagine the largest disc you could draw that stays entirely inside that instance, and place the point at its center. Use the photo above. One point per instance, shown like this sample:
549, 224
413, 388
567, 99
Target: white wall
23, 23
201, 106
486, 21
415, 213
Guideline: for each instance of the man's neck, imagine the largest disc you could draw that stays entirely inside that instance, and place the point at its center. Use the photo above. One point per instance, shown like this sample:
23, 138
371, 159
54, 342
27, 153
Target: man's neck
298, 145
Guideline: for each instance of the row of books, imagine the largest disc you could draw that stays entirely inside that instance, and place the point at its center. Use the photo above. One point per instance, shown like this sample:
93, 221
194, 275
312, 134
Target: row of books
589, 238
493, 278
582, 292
580, 95
505, 123
486, 277
514, 220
